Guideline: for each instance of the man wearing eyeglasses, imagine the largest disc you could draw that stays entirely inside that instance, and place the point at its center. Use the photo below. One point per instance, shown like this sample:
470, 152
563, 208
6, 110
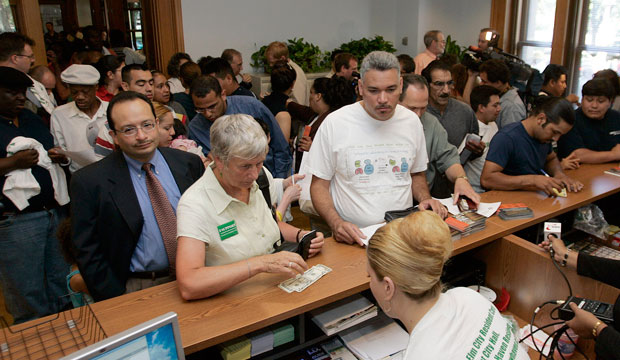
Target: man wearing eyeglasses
124, 213
456, 117
16, 52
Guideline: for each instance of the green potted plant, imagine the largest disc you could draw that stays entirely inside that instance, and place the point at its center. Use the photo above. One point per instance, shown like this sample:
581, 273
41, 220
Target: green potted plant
307, 55
360, 48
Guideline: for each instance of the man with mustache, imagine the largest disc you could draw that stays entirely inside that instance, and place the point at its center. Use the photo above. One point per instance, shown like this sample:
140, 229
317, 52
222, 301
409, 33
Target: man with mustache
456, 117
135, 78
75, 125
369, 157
32, 269
124, 209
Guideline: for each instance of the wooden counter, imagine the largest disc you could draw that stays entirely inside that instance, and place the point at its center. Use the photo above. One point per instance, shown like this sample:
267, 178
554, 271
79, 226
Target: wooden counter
258, 302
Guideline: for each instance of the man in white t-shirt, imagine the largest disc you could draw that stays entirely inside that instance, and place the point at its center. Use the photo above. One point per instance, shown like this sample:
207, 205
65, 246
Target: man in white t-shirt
485, 102
369, 157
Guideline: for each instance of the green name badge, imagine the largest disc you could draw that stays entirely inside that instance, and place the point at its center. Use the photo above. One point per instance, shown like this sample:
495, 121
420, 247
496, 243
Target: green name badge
227, 230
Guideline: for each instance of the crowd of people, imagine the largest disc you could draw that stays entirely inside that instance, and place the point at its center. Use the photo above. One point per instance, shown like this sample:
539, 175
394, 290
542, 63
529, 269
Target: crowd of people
117, 177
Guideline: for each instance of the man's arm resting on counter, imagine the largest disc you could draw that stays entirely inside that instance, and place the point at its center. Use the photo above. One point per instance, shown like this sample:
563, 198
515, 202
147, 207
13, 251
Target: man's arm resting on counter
322, 201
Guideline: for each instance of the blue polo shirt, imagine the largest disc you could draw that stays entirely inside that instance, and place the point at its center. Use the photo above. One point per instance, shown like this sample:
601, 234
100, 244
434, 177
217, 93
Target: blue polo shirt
517, 152
595, 135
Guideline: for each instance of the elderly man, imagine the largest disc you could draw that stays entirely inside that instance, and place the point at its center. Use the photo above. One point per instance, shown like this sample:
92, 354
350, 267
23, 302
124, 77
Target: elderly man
435, 45
32, 269
369, 157
211, 102
443, 157
235, 60
75, 125
124, 213
279, 51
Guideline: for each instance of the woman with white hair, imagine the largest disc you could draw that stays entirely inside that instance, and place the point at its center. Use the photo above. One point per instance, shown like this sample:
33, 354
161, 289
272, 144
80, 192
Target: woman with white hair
405, 262
226, 231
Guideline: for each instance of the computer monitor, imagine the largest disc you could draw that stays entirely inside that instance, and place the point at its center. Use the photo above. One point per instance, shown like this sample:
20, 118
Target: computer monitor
155, 339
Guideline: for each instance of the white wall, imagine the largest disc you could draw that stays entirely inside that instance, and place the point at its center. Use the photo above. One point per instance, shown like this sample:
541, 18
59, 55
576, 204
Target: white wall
461, 19
211, 26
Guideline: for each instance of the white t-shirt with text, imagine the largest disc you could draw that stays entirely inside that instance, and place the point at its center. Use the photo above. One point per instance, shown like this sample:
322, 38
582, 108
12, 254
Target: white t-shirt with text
464, 325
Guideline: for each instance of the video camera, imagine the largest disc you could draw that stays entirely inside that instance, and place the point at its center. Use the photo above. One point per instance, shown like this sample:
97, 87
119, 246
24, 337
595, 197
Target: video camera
526, 79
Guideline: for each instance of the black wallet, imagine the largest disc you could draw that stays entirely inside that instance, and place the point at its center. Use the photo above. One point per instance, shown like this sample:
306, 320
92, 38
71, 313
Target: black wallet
302, 247
396, 214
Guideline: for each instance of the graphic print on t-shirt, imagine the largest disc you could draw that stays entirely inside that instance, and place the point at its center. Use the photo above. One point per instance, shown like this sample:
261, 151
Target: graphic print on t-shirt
378, 166
489, 345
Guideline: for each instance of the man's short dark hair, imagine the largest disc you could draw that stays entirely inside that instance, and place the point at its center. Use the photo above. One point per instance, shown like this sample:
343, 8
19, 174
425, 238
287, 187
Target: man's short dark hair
12, 43
127, 69
203, 85
610, 75
343, 59
481, 95
435, 65
218, 67
125, 96
555, 108
174, 63
415, 80
553, 72
406, 63
282, 76
496, 70
599, 87
189, 72
430, 36
229, 55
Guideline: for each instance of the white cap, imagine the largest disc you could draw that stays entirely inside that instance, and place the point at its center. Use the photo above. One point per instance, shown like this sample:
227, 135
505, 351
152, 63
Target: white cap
78, 74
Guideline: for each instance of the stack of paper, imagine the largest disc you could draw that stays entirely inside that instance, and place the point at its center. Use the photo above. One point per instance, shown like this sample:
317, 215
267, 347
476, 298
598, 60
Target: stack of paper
261, 342
236, 349
467, 222
343, 314
283, 335
376, 338
337, 350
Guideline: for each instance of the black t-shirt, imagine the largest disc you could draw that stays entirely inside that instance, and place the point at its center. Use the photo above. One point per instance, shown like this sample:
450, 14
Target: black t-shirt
595, 135
275, 102
517, 152
243, 92
31, 126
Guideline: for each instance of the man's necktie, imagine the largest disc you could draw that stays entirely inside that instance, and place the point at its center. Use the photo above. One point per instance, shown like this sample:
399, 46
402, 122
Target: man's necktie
164, 213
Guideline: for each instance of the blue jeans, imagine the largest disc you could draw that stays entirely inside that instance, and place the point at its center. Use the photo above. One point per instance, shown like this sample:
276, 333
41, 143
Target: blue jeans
32, 269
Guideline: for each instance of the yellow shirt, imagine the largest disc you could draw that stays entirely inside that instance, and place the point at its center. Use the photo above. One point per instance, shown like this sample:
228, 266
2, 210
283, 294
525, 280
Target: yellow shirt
231, 229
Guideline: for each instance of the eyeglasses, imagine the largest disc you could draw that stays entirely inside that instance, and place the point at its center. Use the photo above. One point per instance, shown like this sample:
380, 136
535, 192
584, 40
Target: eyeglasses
441, 84
31, 57
133, 130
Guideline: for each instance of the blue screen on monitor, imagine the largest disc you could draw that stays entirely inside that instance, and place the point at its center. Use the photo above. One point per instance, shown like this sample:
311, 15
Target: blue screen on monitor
158, 344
